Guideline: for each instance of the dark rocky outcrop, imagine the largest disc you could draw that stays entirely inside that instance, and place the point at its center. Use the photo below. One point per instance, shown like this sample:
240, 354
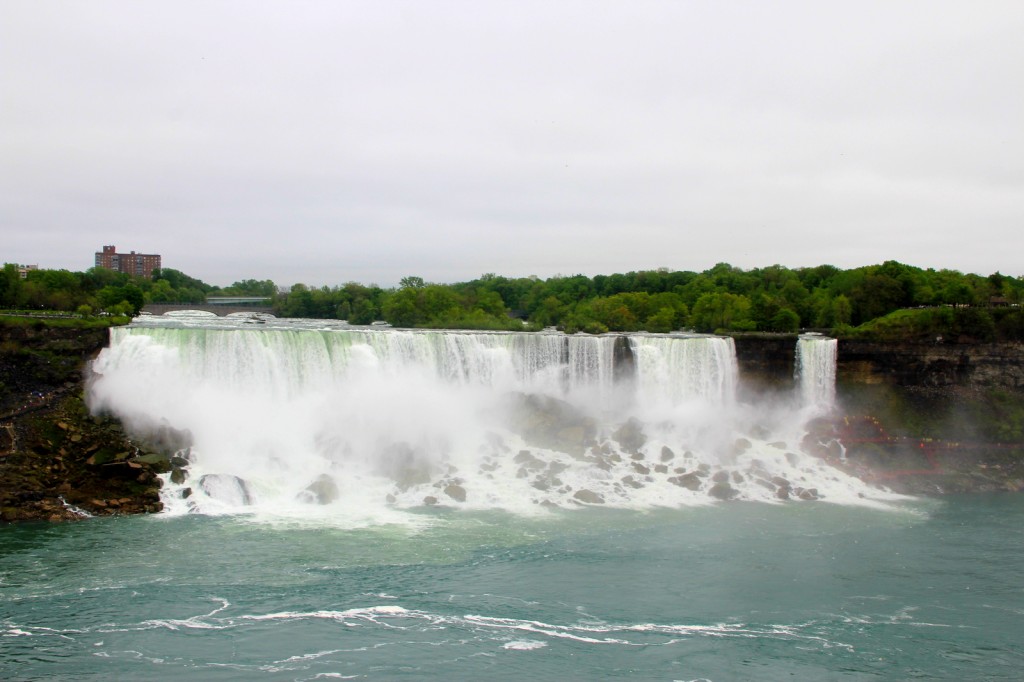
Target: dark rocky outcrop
58, 462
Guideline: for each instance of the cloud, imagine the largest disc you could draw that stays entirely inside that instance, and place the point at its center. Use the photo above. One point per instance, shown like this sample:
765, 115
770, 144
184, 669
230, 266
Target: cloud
327, 142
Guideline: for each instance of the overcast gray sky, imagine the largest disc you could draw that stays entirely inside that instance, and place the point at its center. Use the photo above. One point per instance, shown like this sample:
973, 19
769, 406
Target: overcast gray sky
326, 142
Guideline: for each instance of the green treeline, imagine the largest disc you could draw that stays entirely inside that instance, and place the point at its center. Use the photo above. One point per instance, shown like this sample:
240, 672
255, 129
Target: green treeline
97, 290
891, 300
723, 298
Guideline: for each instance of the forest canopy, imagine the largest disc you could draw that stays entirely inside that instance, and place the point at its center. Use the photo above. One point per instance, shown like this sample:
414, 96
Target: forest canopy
887, 300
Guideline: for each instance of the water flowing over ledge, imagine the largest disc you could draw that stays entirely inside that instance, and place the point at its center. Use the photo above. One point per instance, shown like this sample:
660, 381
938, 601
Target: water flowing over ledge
329, 421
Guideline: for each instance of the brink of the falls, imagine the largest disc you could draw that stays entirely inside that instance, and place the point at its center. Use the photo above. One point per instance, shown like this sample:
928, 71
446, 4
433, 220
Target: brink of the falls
307, 419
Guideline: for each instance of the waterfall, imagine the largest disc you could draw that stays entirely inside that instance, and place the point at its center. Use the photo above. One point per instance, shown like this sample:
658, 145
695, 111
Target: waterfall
675, 369
310, 418
815, 370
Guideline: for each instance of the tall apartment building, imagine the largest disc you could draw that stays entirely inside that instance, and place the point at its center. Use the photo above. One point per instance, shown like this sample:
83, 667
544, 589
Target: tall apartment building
138, 264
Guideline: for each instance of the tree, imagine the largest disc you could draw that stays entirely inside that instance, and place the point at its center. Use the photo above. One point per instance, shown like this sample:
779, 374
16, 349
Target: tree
722, 311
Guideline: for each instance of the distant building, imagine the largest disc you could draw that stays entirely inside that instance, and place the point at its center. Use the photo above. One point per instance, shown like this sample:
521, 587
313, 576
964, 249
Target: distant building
137, 264
24, 269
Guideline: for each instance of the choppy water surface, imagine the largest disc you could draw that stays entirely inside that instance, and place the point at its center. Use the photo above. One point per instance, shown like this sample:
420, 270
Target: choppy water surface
930, 590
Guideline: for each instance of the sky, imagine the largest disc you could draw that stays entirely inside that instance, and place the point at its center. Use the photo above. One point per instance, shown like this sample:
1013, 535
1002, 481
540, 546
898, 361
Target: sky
329, 142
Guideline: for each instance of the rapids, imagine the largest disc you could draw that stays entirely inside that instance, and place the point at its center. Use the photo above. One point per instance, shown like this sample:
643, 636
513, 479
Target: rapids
307, 419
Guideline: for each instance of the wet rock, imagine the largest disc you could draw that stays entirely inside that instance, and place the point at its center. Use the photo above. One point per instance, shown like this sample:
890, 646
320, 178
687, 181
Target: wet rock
722, 491
528, 461
640, 468
156, 462
808, 494
690, 481
631, 482
179, 462
740, 446
721, 477
555, 468
226, 488
429, 500
660, 468
404, 465
456, 492
550, 423
782, 493
666, 454
630, 436
323, 490
588, 496
177, 476
737, 477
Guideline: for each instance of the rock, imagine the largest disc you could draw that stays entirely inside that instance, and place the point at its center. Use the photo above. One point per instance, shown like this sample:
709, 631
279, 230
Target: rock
631, 482
323, 490
456, 492
690, 481
156, 462
722, 491
429, 500
179, 461
630, 436
588, 497
550, 423
721, 477
740, 446
666, 454
640, 468
177, 476
404, 465
528, 460
806, 493
226, 488
661, 468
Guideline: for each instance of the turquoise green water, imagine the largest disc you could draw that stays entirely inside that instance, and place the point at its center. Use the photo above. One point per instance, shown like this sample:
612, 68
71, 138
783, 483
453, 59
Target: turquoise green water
740, 591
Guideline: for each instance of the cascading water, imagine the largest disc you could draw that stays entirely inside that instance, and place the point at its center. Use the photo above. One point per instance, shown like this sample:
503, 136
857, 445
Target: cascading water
298, 418
815, 371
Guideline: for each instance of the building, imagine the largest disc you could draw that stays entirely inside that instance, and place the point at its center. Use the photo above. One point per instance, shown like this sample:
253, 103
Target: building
137, 264
23, 270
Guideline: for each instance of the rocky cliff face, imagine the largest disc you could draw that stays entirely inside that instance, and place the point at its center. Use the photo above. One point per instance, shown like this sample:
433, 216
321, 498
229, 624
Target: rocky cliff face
768, 358
57, 462
934, 365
